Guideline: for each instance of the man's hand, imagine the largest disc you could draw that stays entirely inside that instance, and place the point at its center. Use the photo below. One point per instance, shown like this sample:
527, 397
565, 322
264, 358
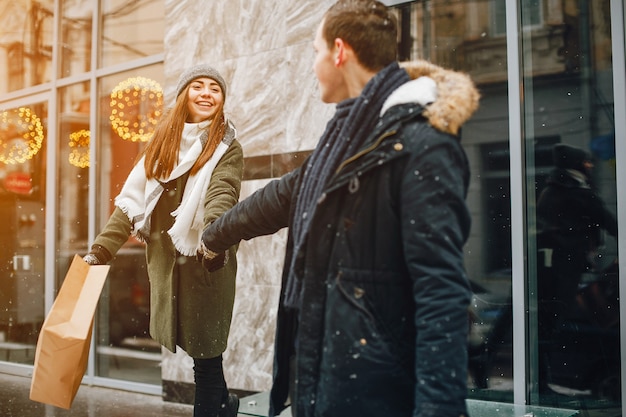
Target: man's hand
211, 261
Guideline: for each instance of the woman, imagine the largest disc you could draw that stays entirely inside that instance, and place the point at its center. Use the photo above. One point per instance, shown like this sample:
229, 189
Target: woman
189, 174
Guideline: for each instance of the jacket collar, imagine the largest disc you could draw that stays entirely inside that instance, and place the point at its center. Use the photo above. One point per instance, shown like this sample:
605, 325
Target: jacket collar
449, 97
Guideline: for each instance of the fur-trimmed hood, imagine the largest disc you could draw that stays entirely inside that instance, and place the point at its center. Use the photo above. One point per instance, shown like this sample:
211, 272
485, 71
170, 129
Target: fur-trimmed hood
449, 97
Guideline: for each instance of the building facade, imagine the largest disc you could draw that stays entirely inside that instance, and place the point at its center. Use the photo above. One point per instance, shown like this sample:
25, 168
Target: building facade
84, 81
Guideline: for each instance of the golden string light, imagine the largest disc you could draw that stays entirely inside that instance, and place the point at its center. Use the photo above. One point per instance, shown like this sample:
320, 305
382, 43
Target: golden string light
79, 148
136, 106
21, 135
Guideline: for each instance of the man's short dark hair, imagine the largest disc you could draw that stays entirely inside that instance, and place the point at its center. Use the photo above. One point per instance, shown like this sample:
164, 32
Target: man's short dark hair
368, 26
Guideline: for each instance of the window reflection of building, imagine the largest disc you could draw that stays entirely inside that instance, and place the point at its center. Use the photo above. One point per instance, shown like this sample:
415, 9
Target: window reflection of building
22, 191
75, 34
26, 42
565, 63
470, 35
130, 30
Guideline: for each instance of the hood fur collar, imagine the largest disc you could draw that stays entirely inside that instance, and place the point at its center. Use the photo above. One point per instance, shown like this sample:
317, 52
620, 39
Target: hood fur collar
449, 98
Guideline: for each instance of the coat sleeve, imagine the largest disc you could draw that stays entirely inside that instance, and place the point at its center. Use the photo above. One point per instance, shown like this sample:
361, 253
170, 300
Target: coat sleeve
603, 217
436, 222
225, 184
265, 212
115, 233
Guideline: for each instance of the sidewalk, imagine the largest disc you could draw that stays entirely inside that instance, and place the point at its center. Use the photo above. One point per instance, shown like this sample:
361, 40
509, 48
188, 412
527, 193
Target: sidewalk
106, 402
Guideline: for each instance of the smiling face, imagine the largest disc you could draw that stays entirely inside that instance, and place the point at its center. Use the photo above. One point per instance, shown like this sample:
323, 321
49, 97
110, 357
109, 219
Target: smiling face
204, 99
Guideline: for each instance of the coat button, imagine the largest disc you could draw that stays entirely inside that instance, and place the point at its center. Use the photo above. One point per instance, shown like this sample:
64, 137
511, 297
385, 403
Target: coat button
358, 292
398, 146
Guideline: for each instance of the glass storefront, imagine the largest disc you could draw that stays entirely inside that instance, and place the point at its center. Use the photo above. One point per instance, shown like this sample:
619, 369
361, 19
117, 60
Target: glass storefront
569, 187
70, 161
22, 208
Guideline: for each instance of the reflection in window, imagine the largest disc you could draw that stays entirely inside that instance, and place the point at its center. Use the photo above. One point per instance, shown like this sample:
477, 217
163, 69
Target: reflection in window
23, 134
131, 30
574, 347
26, 42
76, 26
73, 178
531, 10
566, 65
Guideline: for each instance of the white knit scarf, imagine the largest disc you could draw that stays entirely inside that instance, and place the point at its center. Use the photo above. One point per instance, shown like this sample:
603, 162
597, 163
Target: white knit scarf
139, 196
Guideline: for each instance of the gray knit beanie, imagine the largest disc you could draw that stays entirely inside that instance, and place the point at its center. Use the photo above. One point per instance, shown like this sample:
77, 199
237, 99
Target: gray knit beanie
200, 71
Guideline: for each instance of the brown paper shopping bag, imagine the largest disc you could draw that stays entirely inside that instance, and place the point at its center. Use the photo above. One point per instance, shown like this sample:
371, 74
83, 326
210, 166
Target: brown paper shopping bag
63, 344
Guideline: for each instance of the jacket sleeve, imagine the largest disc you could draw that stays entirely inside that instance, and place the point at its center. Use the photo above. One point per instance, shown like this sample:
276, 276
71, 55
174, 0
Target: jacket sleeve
114, 234
436, 222
265, 212
604, 218
225, 184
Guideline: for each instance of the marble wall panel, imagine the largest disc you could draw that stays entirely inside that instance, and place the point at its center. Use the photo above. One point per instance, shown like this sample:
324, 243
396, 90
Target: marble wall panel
275, 102
264, 50
228, 28
259, 101
176, 366
306, 115
303, 18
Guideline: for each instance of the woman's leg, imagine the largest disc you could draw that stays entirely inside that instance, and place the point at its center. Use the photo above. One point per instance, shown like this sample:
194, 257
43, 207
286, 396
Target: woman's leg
211, 393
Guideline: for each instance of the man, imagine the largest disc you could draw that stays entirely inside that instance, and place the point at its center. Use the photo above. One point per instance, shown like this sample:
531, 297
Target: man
373, 311
571, 218
570, 221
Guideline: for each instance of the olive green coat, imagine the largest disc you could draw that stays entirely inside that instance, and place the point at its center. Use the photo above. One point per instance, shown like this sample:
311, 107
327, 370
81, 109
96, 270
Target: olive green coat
190, 307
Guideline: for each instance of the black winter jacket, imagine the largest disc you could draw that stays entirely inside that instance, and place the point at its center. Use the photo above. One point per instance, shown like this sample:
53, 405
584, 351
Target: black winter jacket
382, 330
571, 216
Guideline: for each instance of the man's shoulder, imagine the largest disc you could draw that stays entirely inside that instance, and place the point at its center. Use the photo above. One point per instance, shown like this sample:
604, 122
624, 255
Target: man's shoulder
418, 131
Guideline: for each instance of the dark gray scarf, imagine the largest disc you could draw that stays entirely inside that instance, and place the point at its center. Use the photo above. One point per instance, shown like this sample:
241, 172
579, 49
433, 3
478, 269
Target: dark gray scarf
345, 133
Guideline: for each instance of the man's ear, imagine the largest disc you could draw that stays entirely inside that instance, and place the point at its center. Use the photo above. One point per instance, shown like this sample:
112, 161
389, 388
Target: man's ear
340, 52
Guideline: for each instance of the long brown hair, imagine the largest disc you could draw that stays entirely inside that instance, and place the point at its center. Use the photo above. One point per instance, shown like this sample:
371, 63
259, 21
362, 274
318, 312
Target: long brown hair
162, 151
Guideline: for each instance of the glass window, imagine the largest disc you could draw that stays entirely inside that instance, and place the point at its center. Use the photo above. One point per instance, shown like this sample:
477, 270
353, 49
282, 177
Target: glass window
568, 125
73, 174
23, 132
25, 44
532, 13
130, 30
75, 34
571, 206
131, 103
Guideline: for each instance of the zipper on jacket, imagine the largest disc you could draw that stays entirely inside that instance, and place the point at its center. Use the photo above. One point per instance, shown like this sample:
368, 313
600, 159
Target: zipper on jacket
365, 151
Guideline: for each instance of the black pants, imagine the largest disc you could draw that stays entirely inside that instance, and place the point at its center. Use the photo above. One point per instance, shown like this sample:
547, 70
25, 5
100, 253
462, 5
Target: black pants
211, 392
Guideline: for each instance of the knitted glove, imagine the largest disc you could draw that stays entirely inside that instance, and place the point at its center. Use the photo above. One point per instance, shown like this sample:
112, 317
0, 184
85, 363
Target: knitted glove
98, 255
211, 261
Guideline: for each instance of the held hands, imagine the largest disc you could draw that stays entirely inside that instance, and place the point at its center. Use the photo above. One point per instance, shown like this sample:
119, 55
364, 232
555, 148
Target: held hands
211, 261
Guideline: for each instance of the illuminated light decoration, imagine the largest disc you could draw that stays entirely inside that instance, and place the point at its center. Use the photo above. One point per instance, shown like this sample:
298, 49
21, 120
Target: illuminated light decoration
79, 148
136, 106
21, 135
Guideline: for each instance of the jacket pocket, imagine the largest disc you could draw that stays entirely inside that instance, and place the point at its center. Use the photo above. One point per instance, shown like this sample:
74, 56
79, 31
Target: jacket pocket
385, 307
